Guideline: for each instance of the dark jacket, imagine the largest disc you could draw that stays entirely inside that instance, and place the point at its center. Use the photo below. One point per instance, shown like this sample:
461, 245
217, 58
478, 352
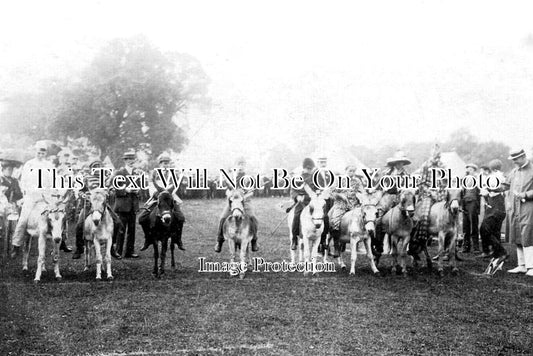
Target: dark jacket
125, 202
13, 192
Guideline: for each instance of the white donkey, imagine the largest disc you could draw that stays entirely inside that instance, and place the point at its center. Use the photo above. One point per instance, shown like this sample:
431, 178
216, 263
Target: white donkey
311, 228
358, 226
98, 231
46, 222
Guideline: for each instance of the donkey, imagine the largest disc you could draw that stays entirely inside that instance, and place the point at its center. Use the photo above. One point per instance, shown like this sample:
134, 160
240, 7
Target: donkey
98, 231
161, 226
358, 226
443, 222
238, 229
311, 228
46, 222
398, 224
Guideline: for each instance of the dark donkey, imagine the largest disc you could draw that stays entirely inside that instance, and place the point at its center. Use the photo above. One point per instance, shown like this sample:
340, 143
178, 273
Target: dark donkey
161, 226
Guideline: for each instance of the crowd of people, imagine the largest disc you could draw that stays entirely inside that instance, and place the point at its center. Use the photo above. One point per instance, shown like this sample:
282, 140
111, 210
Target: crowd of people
512, 199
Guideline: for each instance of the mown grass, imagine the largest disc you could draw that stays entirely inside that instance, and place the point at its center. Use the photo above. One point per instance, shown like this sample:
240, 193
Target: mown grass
187, 312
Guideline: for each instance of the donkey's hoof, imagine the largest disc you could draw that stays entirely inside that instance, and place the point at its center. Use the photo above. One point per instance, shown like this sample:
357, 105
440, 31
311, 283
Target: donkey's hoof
110, 278
36, 281
98, 278
59, 278
241, 276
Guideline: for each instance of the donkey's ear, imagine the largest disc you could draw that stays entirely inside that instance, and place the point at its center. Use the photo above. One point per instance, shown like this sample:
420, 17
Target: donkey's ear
248, 194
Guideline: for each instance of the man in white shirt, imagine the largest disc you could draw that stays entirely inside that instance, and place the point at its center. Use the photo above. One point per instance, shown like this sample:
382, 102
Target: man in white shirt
29, 183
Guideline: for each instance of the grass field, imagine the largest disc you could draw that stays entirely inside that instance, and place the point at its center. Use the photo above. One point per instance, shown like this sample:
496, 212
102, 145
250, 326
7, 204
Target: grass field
187, 312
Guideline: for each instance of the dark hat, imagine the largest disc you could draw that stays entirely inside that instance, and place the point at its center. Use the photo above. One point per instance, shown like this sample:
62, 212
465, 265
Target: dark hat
484, 166
495, 164
514, 154
129, 154
95, 163
308, 163
473, 165
10, 163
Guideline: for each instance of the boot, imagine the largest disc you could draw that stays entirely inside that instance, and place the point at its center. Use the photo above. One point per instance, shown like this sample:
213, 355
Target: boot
521, 268
220, 237
15, 252
77, 254
528, 257
63, 247
147, 238
178, 236
114, 253
254, 245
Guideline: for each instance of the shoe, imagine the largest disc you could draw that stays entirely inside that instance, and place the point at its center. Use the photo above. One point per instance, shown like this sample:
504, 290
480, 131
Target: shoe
180, 245
529, 272
15, 252
495, 265
218, 247
115, 254
485, 255
77, 255
294, 246
518, 269
254, 246
131, 255
63, 247
145, 246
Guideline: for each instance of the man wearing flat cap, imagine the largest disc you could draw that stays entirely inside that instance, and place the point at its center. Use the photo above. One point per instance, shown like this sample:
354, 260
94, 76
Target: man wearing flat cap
164, 164
126, 206
471, 208
520, 183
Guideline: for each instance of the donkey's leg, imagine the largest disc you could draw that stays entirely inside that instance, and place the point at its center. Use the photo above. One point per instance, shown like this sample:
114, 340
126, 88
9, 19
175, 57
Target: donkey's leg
107, 257
164, 248
440, 253
98, 257
370, 255
306, 254
231, 248
172, 260
56, 260
453, 255
394, 252
403, 255
26, 252
156, 258
242, 255
41, 258
354, 240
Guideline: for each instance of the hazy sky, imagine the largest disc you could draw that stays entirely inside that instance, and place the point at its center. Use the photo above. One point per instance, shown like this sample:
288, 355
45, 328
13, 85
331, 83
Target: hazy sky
354, 72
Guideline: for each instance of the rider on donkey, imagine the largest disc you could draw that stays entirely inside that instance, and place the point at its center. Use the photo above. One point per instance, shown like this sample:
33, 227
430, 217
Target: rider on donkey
344, 200
241, 163
90, 182
164, 164
395, 168
427, 195
301, 198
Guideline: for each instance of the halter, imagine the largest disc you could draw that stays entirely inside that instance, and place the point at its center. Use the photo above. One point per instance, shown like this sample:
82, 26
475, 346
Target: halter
362, 211
239, 209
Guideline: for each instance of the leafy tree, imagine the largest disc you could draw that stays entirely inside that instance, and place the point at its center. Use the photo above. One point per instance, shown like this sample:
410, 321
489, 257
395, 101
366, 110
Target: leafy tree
129, 97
